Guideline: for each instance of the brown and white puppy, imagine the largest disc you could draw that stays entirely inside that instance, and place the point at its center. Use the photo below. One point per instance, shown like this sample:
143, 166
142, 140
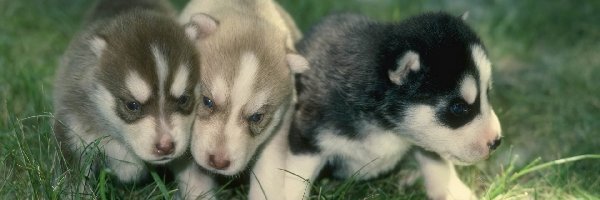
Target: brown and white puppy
248, 62
129, 83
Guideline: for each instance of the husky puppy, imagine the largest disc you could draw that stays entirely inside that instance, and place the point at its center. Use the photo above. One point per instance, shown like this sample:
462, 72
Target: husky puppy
247, 80
129, 82
376, 89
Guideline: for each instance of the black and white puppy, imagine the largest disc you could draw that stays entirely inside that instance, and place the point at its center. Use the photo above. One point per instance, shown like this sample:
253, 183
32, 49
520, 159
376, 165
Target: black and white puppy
376, 89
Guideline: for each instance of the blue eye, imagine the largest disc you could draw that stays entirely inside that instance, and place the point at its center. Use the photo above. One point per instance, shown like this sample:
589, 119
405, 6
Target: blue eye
256, 117
133, 106
459, 109
208, 102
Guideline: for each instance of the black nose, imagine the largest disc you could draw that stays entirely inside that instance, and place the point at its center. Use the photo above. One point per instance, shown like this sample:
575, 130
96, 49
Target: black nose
494, 144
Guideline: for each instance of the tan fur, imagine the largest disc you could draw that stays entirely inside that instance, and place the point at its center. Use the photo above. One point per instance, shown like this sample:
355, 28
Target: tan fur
258, 29
267, 11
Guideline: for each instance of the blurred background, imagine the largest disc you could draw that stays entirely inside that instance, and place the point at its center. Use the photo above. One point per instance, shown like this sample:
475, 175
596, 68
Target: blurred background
546, 73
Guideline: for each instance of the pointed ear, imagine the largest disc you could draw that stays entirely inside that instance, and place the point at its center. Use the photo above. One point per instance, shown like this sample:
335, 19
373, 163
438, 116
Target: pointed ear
464, 16
297, 63
97, 45
201, 26
407, 63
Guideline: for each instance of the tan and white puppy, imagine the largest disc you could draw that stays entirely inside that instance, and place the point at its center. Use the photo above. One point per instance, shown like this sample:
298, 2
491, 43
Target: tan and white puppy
248, 62
129, 83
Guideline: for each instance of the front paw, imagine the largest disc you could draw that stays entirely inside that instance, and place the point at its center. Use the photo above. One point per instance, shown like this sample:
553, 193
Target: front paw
128, 172
453, 192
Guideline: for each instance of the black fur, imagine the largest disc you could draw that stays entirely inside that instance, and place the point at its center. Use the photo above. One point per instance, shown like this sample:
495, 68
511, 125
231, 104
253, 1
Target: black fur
350, 56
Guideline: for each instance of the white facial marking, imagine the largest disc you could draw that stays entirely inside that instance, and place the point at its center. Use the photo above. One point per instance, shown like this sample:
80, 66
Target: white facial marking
140, 142
482, 63
161, 70
138, 87
180, 81
220, 90
106, 104
242, 88
485, 72
468, 89
97, 45
260, 99
176, 132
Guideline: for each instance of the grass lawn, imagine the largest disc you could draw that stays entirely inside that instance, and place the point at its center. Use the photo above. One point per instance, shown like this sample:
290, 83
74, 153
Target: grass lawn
546, 59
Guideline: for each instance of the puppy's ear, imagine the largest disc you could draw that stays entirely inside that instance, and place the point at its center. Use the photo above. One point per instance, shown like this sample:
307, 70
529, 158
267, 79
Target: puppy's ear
97, 45
297, 63
405, 64
465, 16
201, 26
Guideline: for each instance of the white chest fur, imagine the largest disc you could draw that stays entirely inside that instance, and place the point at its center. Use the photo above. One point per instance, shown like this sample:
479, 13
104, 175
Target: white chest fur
372, 155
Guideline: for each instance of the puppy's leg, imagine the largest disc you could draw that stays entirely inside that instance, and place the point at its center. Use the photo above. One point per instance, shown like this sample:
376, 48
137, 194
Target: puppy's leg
268, 175
192, 182
123, 163
302, 170
441, 180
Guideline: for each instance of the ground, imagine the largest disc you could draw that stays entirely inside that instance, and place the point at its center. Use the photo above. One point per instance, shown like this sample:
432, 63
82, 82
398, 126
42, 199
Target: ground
546, 65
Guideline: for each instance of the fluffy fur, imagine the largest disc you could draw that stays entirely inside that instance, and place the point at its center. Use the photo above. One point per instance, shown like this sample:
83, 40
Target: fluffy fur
248, 60
129, 82
374, 90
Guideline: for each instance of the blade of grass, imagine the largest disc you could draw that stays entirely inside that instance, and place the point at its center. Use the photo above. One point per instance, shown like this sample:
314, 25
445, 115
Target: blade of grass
102, 184
552, 163
507, 179
161, 185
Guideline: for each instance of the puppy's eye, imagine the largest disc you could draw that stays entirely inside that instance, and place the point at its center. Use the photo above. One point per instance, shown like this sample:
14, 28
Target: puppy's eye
459, 109
255, 118
208, 102
133, 106
183, 100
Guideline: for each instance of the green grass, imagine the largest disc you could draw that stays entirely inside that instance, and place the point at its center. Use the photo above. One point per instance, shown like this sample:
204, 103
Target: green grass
546, 94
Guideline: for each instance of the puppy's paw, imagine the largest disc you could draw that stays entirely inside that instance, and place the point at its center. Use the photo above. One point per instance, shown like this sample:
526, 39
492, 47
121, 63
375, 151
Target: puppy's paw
454, 191
455, 197
127, 172
441, 180
408, 178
